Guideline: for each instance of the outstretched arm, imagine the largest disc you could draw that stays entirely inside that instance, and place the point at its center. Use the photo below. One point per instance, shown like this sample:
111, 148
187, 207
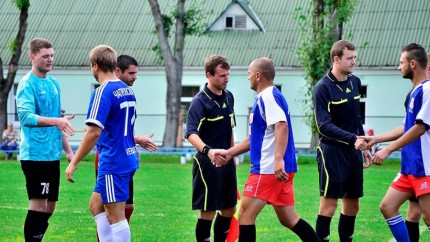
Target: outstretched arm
146, 142
414, 133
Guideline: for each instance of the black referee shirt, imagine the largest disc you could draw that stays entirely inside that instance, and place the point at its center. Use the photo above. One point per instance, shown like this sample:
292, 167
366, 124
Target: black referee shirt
212, 118
337, 108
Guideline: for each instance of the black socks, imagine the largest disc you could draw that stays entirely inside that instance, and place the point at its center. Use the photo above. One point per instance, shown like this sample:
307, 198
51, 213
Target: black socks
35, 226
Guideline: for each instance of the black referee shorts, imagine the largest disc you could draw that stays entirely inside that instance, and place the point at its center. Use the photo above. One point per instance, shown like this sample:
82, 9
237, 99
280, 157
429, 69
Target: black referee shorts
213, 188
340, 171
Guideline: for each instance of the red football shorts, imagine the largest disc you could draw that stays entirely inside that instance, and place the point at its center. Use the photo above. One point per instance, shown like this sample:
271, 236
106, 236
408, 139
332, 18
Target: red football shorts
412, 184
266, 187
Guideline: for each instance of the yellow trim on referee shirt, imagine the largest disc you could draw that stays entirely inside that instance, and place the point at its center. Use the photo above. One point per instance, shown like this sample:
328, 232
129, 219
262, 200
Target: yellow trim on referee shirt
215, 119
200, 124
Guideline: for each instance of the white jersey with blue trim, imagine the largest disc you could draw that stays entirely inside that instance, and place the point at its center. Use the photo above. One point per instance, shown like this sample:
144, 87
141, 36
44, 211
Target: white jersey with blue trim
416, 155
269, 108
113, 109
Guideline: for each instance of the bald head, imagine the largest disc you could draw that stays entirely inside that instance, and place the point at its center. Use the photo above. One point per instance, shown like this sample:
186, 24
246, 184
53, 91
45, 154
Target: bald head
265, 67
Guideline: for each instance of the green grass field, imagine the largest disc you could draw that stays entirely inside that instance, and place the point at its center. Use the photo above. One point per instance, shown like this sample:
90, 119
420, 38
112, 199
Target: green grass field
163, 203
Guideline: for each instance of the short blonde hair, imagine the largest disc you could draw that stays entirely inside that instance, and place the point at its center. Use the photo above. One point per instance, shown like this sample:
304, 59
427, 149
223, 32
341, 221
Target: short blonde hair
105, 58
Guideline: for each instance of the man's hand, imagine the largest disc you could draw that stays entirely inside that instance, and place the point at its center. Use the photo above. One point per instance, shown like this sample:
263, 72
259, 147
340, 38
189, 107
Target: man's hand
361, 144
280, 173
71, 168
64, 125
218, 157
369, 139
368, 158
69, 156
146, 142
380, 156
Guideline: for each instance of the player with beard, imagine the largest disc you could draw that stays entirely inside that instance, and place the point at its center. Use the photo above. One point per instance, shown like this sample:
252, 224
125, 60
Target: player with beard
339, 156
413, 137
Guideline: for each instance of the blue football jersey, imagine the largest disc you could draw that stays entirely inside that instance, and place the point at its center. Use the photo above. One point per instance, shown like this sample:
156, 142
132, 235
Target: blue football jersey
113, 109
269, 108
416, 155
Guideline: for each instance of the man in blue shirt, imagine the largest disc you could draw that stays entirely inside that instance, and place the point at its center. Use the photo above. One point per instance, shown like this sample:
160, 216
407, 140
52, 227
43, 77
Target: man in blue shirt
43, 135
273, 158
110, 119
413, 137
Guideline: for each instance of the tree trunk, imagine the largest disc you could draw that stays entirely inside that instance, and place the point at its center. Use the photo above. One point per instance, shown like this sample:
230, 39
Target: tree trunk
173, 63
173, 102
6, 83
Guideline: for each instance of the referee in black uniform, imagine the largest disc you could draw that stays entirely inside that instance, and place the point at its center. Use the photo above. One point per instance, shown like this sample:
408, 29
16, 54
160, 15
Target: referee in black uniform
340, 164
210, 125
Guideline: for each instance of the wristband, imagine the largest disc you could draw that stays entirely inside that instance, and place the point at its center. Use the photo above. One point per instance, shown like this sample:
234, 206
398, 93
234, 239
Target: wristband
206, 149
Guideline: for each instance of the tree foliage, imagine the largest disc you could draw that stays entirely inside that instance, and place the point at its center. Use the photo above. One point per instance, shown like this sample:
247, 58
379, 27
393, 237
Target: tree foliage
321, 25
15, 47
171, 29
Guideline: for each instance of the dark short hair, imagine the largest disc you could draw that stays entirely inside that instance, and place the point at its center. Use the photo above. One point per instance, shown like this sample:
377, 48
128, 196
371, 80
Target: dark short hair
338, 47
37, 44
213, 61
416, 52
125, 61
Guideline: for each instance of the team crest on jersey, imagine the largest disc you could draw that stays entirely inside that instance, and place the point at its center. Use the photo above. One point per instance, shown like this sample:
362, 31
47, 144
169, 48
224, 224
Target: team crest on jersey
411, 104
224, 106
347, 90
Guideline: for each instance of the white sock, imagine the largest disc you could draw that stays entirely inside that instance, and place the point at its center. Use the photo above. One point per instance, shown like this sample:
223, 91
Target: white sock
103, 227
121, 231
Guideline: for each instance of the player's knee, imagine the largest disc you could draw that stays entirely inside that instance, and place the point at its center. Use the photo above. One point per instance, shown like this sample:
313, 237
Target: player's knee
40, 205
228, 212
328, 210
385, 209
95, 209
207, 215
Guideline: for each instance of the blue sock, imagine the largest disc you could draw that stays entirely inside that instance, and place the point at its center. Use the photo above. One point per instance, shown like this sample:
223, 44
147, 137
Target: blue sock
398, 228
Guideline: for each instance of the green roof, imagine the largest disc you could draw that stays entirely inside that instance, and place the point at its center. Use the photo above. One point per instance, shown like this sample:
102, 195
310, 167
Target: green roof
75, 27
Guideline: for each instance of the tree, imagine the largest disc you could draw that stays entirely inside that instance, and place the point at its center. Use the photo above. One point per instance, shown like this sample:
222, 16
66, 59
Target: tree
317, 37
188, 22
15, 47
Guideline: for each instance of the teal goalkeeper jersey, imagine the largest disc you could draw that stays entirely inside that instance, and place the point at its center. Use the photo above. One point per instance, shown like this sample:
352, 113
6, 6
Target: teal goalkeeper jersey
38, 97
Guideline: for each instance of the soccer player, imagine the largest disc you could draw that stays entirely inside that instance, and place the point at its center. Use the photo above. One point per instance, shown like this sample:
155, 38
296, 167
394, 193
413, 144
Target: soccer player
414, 139
43, 135
273, 158
110, 119
339, 156
414, 213
126, 71
210, 125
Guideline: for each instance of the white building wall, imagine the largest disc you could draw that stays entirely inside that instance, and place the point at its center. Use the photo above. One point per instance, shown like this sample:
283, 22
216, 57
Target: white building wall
386, 92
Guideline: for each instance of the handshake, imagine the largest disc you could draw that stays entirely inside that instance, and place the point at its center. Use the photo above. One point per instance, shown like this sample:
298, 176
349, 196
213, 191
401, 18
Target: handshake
365, 143
219, 157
